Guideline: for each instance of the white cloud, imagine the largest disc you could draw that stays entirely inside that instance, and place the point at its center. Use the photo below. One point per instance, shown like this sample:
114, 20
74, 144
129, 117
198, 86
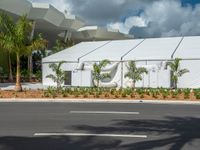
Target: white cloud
128, 24
143, 18
163, 18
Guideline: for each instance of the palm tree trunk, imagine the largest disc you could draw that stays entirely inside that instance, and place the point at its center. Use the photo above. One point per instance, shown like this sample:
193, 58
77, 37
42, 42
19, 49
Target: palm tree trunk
18, 87
175, 84
30, 67
98, 83
10, 68
133, 84
30, 59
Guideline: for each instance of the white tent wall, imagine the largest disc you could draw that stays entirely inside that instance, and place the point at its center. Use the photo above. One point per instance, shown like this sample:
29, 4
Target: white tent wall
191, 79
158, 75
78, 77
114, 69
152, 54
189, 52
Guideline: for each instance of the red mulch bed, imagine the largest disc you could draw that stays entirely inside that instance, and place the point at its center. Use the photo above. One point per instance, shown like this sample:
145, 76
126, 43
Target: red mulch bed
41, 94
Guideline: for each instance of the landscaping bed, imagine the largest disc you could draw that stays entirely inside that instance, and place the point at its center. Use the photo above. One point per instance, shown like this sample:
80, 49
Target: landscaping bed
106, 93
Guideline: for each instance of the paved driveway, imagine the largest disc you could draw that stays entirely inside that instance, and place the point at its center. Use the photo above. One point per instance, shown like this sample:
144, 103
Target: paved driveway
99, 126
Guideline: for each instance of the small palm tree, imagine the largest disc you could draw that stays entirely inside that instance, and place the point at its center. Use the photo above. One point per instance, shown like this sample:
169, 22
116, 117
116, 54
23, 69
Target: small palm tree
176, 72
97, 71
59, 75
135, 73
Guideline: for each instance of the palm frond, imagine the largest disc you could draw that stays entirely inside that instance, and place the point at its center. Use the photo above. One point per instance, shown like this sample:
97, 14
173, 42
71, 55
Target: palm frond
51, 76
182, 72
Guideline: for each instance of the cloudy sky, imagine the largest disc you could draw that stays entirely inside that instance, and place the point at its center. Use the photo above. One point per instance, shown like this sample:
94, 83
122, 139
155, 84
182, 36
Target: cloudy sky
142, 18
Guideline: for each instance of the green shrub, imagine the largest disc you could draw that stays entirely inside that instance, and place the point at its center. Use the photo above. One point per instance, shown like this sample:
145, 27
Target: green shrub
174, 93
197, 93
165, 92
106, 95
155, 93
112, 91
76, 94
52, 91
186, 93
133, 95
116, 95
38, 75
124, 94
148, 92
85, 95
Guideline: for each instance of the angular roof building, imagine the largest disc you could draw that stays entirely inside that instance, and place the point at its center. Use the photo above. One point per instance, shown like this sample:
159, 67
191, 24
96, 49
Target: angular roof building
53, 23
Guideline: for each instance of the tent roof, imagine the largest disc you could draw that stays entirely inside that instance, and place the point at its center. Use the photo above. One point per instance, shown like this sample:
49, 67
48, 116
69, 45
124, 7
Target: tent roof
189, 48
137, 49
74, 53
155, 48
112, 51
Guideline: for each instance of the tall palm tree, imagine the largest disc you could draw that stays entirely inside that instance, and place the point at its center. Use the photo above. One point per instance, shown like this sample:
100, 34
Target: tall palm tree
6, 22
97, 71
37, 43
135, 73
176, 72
16, 37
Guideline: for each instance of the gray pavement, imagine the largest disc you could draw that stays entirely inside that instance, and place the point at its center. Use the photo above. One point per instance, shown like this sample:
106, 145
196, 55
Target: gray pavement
51, 126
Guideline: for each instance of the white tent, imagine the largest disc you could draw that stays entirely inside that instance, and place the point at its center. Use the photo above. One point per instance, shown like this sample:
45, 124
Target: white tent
189, 51
149, 53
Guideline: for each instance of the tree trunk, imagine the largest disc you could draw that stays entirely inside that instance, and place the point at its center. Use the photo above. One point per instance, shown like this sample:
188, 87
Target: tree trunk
18, 86
98, 83
30, 67
133, 86
10, 68
30, 59
175, 84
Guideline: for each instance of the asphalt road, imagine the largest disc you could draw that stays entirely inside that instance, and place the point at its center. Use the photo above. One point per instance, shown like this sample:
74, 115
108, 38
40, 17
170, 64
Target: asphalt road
75, 126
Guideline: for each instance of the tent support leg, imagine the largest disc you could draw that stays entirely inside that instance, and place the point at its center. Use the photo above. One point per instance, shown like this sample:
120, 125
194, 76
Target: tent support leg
122, 68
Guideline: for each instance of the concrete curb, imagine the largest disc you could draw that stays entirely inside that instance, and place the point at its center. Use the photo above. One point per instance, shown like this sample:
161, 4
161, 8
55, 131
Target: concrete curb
101, 101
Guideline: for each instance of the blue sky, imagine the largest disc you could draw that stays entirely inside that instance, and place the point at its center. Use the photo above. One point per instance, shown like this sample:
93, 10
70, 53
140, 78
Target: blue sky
142, 18
192, 2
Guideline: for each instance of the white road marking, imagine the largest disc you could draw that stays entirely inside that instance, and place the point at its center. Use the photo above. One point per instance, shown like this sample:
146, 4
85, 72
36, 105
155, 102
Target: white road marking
104, 112
88, 134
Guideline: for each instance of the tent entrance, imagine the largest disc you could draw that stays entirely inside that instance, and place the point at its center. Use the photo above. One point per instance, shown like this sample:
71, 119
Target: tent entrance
68, 78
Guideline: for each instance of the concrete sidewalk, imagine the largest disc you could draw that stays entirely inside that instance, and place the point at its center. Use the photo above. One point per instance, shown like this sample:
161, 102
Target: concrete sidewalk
102, 101
29, 86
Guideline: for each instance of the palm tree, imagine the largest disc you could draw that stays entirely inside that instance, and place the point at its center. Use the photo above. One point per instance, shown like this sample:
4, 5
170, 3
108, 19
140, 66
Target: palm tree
97, 71
135, 73
6, 22
176, 72
59, 75
61, 45
37, 43
16, 38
